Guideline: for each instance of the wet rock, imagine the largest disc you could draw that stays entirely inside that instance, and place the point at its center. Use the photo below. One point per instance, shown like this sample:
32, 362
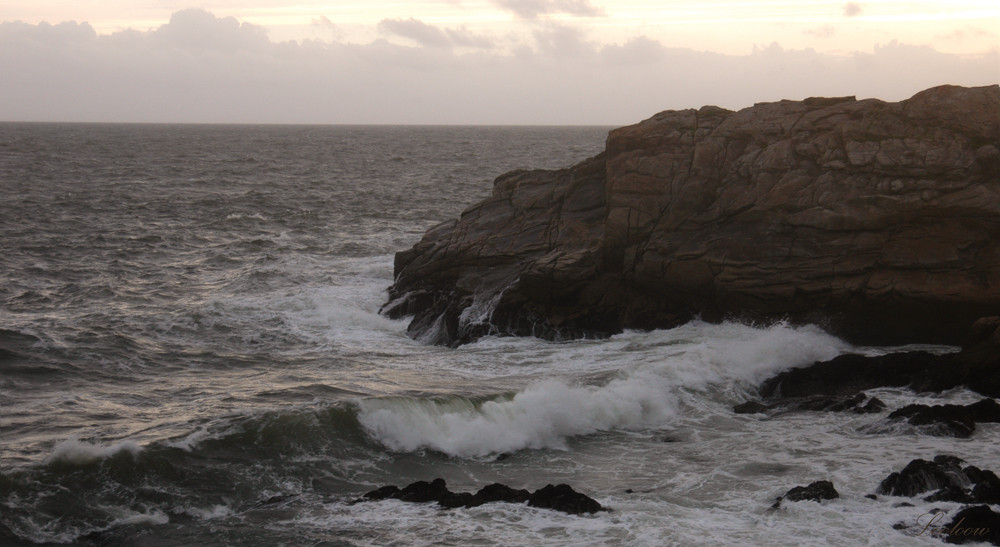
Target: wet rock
974, 524
498, 492
384, 493
987, 485
873, 406
923, 476
949, 420
817, 491
946, 479
751, 407
976, 366
848, 374
423, 491
875, 219
816, 403
562, 497
943, 420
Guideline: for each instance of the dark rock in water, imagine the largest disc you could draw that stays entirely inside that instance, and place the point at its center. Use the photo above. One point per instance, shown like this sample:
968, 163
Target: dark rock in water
751, 407
563, 498
948, 480
950, 420
985, 411
454, 500
874, 219
848, 374
978, 523
423, 491
498, 492
817, 491
987, 485
816, 403
946, 420
922, 476
976, 366
873, 406
979, 361
560, 498
384, 493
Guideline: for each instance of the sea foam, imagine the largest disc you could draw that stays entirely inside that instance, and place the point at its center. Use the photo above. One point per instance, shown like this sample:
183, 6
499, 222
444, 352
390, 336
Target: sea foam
543, 415
76, 452
648, 374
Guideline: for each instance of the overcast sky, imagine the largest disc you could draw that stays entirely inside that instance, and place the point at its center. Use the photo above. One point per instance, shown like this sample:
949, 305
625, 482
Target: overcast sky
473, 61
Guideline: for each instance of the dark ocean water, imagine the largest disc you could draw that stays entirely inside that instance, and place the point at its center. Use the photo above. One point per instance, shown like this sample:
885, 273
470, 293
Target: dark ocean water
190, 353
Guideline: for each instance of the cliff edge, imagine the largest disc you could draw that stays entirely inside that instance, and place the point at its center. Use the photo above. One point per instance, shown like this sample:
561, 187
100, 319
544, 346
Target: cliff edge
878, 221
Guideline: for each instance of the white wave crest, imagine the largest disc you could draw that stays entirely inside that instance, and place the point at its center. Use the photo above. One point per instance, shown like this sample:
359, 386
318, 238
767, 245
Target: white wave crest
76, 452
543, 415
654, 373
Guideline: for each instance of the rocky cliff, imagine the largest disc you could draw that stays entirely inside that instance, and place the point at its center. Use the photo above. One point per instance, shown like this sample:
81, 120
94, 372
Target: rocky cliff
879, 221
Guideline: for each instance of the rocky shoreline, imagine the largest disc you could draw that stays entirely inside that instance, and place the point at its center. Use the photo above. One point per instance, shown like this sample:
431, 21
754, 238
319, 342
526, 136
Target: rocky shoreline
877, 221
838, 386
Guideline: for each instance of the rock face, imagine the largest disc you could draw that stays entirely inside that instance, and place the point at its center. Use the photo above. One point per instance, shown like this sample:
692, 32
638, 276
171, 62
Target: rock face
880, 221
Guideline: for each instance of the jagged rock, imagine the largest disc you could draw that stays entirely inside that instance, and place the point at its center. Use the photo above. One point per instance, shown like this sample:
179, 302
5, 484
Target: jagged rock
562, 497
817, 491
816, 403
946, 478
384, 493
950, 420
877, 220
498, 492
987, 485
751, 407
922, 476
976, 366
423, 491
873, 406
847, 374
978, 523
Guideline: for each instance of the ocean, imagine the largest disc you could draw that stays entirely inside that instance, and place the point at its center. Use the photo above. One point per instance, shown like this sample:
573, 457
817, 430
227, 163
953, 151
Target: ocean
191, 354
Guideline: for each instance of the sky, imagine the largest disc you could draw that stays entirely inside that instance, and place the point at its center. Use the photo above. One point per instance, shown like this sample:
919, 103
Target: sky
545, 62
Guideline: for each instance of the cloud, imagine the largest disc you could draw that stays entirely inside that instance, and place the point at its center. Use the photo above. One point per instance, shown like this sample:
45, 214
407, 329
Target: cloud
431, 36
418, 31
637, 51
532, 9
852, 9
967, 33
562, 41
825, 31
200, 68
199, 29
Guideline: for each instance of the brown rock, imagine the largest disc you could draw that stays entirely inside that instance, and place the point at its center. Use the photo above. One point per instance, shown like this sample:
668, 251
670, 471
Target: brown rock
880, 221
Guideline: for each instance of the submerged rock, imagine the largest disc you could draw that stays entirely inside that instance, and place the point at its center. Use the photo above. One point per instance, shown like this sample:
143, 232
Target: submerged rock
877, 220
